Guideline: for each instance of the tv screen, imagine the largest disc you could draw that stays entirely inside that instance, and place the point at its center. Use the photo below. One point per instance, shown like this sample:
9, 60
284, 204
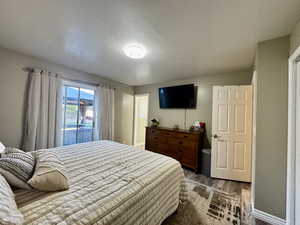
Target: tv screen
177, 97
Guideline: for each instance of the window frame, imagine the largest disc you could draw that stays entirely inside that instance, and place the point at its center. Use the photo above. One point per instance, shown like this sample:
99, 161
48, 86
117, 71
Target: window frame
78, 85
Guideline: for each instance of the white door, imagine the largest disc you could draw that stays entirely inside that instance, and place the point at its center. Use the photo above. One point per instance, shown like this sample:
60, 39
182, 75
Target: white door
232, 132
140, 119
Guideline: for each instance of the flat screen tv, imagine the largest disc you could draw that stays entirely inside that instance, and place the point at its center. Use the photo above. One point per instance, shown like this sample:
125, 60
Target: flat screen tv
177, 97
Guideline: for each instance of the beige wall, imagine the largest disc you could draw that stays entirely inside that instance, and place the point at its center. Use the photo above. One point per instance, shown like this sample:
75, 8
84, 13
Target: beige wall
295, 38
272, 116
203, 112
13, 82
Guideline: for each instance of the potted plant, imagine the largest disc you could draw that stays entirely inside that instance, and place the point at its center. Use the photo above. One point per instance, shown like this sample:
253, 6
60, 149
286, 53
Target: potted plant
154, 122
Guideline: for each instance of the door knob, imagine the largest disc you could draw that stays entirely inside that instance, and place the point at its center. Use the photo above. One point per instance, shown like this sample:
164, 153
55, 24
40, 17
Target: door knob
215, 136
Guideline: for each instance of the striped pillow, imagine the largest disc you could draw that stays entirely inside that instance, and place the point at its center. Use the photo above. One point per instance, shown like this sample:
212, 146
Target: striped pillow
17, 168
49, 174
9, 213
9, 150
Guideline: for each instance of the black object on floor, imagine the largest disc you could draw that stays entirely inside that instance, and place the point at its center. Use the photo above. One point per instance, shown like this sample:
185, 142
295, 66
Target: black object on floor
205, 162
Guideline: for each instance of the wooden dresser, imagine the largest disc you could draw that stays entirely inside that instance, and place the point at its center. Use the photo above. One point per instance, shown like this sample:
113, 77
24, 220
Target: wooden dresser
182, 145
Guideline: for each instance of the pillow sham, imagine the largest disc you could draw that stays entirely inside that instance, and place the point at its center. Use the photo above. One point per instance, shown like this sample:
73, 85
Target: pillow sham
2, 148
17, 168
49, 173
9, 213
9, 150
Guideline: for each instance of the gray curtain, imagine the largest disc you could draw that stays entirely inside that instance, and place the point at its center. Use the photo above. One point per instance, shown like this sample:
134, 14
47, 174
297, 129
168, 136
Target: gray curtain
105, 113
42, 120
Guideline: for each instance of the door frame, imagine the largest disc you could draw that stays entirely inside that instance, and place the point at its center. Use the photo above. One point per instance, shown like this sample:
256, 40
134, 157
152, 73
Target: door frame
134, 116
293, 127
253, 161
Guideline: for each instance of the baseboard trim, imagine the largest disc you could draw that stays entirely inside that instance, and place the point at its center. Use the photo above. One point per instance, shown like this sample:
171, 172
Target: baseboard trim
267, 217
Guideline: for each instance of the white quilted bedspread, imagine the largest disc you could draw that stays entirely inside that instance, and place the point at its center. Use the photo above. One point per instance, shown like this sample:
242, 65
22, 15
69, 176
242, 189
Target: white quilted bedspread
110, 183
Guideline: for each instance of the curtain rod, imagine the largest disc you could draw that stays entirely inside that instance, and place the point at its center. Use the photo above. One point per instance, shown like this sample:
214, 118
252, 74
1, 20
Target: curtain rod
29, 69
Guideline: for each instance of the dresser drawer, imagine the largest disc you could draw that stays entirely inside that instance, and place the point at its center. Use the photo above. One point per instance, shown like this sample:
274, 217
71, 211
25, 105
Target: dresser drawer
185, 144
175, 141
152, 146
188, 153
158, 138
153, 131
166, 133
189, 137
171, 150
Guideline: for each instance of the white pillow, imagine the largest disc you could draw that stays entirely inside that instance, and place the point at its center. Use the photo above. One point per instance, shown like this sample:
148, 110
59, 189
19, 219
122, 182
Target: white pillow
49, 173
9, 213
2, 148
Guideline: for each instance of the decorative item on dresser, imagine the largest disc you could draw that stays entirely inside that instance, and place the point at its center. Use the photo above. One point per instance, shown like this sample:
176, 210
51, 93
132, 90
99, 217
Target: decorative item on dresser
182, 145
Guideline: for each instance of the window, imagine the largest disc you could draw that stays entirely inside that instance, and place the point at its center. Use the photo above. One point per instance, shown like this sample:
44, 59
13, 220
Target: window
78, 113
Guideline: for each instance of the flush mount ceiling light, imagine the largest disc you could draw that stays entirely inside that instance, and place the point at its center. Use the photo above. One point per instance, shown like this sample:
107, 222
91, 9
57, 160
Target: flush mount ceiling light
135, 51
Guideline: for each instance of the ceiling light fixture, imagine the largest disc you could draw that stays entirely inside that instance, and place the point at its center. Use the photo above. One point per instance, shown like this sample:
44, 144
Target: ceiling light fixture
135, 51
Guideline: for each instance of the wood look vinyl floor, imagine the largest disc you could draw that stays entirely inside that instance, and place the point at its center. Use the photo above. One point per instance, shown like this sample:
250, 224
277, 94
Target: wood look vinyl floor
232, 187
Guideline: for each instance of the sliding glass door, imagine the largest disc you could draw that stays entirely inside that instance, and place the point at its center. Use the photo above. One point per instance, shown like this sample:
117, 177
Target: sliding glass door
78, 114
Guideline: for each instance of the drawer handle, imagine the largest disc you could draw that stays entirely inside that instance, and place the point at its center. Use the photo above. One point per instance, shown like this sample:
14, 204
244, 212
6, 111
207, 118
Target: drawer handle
185, 136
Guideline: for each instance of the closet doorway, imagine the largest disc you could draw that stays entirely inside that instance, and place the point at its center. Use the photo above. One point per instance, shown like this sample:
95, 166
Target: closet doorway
140, 119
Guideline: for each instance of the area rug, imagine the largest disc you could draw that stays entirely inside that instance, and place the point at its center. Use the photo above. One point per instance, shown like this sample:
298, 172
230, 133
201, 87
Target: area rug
207, 206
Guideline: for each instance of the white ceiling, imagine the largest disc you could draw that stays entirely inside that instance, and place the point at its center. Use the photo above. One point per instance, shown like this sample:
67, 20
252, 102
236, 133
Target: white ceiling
184, 38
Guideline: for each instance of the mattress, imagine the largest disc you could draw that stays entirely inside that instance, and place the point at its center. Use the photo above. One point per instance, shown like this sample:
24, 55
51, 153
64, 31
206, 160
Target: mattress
110, 183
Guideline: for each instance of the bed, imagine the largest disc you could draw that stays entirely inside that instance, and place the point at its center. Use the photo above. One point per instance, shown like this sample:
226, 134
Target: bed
110, 183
